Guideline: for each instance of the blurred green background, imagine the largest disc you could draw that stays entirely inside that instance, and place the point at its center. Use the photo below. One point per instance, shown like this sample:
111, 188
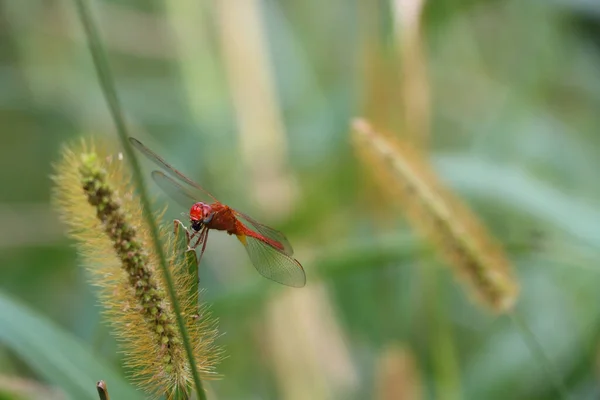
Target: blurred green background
254, 100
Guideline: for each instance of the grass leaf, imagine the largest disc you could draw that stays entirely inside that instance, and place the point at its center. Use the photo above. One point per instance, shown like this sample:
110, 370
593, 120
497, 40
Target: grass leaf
56, 355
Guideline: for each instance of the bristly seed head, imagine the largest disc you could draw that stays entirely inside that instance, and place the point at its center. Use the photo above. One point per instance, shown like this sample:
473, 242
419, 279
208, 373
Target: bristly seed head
440, 216
97, 202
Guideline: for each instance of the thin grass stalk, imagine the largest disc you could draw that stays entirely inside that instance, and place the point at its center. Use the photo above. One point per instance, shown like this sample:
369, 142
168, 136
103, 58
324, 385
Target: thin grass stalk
539, 354
108, 88
442, 350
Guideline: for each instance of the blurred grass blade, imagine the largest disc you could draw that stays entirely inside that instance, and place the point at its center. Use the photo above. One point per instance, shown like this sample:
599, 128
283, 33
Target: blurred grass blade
14, 387
55, 354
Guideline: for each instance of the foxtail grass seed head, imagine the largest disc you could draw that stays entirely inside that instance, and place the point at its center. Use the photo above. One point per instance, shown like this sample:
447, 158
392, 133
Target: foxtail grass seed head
96, 200
440, 216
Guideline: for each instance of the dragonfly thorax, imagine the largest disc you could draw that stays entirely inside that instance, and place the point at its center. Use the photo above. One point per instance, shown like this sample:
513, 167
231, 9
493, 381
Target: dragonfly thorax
200, 214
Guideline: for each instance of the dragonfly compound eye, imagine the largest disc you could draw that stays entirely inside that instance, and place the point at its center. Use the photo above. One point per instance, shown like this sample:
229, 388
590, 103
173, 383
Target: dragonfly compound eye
208, 218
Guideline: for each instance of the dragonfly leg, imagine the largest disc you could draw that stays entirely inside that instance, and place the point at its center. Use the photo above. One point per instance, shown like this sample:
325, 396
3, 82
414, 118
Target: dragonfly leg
204, 235
200, 237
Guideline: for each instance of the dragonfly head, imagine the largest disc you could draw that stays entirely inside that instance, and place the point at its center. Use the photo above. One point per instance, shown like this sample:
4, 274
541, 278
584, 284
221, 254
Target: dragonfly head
200, 214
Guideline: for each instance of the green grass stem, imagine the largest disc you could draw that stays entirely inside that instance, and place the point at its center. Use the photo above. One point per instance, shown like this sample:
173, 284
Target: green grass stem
108, 89
539, 354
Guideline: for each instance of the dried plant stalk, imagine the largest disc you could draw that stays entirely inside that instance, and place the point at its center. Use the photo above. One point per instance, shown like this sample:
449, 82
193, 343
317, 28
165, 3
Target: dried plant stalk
414, 80
398, 375
97, 202
102, 390
439, 216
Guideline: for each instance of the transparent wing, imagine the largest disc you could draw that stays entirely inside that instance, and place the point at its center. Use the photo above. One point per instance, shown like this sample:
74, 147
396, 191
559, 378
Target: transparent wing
273, 264
158, 160
267, 232
173, 189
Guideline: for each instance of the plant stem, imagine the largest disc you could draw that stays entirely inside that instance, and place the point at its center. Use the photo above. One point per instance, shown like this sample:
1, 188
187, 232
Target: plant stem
443, 351
108, 88
102, 390
538, 353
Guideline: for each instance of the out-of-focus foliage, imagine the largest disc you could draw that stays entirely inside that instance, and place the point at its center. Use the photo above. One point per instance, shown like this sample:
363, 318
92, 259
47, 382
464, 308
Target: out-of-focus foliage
254, 100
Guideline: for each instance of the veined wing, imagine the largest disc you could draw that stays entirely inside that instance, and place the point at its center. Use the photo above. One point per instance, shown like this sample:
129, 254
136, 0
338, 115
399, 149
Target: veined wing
269, 233
158, 160
273, 264
173, 189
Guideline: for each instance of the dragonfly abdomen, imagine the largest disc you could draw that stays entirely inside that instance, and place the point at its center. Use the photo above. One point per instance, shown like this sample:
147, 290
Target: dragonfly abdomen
249, 232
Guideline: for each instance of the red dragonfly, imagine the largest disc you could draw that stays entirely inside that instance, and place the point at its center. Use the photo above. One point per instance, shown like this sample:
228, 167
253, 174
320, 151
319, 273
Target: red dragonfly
268, 249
